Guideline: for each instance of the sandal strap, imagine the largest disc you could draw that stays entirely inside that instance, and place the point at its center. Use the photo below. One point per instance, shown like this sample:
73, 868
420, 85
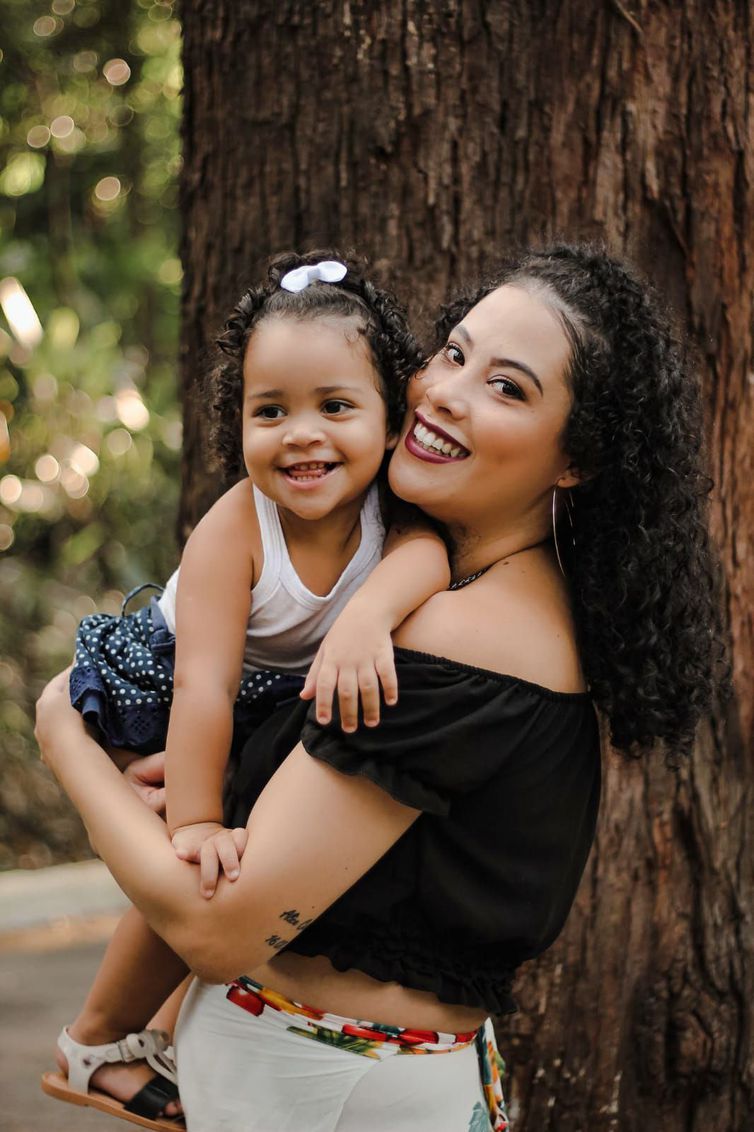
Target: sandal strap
84, 1060
152, 1100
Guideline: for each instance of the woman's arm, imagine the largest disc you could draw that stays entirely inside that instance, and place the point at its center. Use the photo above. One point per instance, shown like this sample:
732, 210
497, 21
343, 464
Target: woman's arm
312, 834
212, 612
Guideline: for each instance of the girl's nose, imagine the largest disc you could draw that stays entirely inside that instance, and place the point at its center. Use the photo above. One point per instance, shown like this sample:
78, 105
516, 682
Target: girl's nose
304, 431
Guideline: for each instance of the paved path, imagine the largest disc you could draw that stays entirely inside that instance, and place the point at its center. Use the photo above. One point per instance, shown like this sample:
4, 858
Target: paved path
53, 927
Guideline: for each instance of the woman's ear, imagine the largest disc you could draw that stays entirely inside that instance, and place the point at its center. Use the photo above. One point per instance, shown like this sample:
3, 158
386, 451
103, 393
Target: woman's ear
573, 476
391, 441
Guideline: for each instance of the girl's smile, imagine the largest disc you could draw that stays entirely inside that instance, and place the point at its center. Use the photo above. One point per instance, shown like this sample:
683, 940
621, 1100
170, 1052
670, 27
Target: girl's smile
312, 473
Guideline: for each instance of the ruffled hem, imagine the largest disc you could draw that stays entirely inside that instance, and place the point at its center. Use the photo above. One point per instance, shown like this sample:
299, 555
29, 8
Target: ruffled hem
457, 980
141, 728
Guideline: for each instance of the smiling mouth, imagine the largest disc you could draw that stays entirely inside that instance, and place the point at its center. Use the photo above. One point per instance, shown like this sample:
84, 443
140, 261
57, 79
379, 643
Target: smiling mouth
307, 472
436, 443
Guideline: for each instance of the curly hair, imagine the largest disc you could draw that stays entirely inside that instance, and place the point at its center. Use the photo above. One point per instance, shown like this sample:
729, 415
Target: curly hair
644, 576
380, 318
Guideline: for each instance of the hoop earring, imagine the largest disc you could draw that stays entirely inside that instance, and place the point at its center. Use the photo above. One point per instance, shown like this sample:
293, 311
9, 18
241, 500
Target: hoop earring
569, 512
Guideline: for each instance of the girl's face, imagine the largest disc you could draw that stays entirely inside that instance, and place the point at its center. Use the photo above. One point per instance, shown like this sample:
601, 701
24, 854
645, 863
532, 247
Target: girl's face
314, 420
480, 447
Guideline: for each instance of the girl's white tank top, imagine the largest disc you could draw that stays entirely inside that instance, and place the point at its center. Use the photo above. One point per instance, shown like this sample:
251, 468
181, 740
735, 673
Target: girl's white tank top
287, 621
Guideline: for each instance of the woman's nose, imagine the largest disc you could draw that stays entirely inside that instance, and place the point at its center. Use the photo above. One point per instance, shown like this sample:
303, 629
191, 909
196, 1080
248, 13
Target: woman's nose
445, 394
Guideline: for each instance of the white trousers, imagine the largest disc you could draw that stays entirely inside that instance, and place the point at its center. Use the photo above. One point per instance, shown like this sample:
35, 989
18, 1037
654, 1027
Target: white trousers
242, 1073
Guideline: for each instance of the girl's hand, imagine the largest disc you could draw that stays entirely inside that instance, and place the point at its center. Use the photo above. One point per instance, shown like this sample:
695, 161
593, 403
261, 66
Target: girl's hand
214, 848
355, 657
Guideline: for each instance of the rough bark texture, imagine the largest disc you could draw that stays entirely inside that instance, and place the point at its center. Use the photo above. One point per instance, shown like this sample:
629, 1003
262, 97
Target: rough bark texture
433, 135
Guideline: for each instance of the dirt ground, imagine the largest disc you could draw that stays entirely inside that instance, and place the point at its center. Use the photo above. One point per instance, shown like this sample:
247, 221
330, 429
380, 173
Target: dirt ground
42, 982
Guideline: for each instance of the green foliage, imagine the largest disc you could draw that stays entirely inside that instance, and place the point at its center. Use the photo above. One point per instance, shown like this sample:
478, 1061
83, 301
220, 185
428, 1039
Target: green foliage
89, 287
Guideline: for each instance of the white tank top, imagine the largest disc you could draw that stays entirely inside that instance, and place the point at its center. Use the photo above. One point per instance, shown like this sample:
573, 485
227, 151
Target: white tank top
287, 621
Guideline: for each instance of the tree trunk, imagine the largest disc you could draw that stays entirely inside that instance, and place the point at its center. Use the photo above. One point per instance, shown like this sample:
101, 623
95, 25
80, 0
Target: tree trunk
433, 136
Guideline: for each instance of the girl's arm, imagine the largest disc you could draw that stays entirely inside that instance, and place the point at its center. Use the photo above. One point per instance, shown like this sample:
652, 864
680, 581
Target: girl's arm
212, 612
356, 655
312, 834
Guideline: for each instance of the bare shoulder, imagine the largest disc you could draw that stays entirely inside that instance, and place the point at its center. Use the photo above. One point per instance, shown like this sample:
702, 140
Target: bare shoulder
230, 522
234, 505
516, 620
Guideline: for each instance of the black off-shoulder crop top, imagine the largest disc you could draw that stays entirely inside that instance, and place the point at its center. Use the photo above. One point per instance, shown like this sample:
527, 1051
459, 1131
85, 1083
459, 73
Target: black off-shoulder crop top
507, 775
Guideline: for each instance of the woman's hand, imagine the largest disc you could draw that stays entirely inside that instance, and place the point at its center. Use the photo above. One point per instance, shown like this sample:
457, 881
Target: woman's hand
146, 774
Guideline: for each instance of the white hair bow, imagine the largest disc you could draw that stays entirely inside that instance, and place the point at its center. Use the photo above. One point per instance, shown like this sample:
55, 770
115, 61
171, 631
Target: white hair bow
327, 270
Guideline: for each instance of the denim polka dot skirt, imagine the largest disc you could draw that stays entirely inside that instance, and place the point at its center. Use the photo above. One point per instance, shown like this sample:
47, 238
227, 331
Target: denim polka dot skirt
122, 680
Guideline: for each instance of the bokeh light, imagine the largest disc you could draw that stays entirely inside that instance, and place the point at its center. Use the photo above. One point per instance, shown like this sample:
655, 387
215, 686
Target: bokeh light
10, 490
19, 311
107, 189
119, 441
131, 410
47, 468
38, 136
116, 71
46, 26
75, 483
84, 460
62, 126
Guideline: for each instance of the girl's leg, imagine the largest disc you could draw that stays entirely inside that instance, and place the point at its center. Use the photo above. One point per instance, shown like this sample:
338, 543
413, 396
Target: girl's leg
137, 974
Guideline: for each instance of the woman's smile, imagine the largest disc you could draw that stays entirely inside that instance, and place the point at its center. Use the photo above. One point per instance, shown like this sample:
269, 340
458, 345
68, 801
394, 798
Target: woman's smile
428, 441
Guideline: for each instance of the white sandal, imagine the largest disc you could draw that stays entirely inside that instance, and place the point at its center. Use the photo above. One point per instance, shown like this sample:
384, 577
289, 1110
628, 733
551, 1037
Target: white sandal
143, 1108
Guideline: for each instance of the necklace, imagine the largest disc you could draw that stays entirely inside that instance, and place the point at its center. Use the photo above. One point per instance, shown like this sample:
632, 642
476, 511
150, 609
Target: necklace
473, 577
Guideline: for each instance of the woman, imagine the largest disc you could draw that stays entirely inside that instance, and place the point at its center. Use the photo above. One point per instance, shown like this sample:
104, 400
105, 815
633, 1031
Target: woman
403, 873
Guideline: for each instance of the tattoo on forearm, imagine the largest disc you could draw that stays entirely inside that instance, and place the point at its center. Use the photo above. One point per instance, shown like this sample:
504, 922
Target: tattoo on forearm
276, 942
293, 917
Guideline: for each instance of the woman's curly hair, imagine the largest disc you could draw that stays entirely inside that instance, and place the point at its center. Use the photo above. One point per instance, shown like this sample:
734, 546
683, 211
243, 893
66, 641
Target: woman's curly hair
645, 578
381, 319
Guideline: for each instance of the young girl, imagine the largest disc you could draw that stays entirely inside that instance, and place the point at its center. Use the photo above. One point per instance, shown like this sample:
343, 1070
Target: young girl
317, 359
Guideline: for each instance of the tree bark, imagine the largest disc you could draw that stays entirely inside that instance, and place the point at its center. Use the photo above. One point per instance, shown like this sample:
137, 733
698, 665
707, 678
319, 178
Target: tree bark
434, 136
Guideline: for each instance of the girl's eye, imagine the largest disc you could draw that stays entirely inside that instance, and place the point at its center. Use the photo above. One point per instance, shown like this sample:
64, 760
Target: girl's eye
333, 408
270, 412
453, 353
506, 386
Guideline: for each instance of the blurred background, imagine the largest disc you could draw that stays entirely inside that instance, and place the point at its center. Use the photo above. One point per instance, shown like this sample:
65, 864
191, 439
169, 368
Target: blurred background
90, 431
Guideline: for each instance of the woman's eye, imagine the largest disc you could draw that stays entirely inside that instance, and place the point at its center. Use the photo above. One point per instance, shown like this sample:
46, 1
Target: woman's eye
332, 408
506, 386
269, 412
453, 353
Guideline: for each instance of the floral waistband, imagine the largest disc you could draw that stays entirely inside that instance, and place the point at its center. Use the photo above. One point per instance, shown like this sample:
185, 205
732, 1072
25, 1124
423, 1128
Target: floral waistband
377, 1039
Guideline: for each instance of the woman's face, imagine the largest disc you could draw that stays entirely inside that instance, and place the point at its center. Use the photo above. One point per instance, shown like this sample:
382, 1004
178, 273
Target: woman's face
480, 446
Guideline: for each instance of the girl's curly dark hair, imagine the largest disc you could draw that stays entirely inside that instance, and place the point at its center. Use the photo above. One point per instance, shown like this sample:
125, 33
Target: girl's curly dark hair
644, 575
381, 319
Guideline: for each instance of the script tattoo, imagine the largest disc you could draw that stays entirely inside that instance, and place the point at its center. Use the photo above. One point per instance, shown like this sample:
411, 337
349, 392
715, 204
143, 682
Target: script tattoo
276, 942
293, 917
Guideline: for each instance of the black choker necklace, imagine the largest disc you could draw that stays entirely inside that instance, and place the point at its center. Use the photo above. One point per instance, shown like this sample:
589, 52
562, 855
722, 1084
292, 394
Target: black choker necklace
471, 578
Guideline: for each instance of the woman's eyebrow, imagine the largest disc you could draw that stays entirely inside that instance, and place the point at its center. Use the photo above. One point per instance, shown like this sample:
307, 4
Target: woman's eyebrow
504, 363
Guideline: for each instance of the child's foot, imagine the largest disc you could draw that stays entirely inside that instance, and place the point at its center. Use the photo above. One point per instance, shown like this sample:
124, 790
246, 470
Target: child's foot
119, 1080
